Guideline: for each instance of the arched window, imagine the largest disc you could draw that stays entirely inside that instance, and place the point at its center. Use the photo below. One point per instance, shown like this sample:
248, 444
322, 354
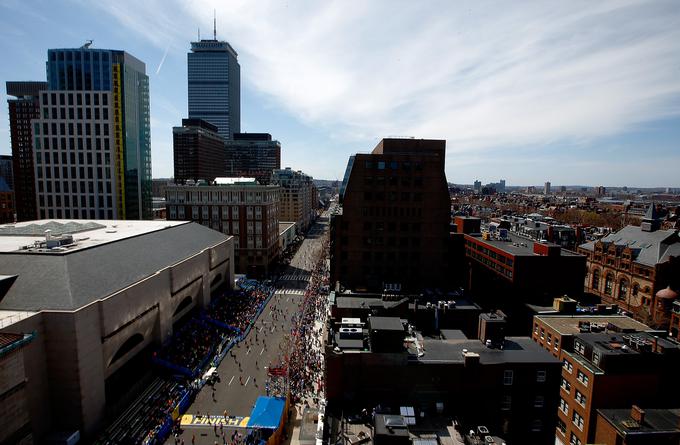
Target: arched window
596, 279
608, 284
636, 288
127, 347
623, 289
184, 304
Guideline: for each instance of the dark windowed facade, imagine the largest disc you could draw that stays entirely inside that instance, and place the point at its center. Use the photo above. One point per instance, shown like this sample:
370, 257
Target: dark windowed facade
388, 232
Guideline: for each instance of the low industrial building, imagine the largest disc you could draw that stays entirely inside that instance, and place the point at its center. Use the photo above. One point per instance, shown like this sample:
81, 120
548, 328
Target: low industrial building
99, 297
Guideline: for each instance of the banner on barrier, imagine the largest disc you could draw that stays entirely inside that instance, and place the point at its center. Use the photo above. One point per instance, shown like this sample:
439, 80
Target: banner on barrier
210, 421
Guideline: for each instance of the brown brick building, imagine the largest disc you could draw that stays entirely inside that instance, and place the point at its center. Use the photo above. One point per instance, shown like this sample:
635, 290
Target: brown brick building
631, 266
394, 225
198, 151
608, 362
22, 109
234, 206
637, 426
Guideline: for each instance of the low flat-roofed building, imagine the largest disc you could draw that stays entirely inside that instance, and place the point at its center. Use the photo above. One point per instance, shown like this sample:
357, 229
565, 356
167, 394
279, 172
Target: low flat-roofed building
506, 271
556, 332
638, 426
511, 385
100, 296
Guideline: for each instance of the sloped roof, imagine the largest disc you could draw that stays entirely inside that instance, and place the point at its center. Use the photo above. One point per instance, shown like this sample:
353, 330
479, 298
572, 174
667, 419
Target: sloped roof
73, 280
650, 247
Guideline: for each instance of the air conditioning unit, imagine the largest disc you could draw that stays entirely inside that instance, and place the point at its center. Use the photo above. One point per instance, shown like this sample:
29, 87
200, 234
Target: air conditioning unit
482, 430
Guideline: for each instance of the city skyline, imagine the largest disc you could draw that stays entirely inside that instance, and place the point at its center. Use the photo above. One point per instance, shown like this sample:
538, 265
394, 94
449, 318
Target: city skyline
574, 95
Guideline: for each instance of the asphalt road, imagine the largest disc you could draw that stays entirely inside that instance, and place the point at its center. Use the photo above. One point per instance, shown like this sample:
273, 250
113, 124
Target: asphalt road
242, 378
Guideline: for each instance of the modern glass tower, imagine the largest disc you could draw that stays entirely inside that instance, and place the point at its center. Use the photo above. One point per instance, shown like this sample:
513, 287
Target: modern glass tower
215, 85
92, 141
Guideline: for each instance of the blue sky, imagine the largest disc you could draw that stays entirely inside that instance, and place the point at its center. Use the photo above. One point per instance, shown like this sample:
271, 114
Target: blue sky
575, 92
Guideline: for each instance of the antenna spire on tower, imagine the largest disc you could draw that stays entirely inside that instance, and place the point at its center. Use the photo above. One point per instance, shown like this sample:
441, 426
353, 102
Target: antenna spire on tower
214, 24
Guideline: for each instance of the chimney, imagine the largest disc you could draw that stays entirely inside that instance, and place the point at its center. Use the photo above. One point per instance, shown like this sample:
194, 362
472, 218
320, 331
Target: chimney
637, 414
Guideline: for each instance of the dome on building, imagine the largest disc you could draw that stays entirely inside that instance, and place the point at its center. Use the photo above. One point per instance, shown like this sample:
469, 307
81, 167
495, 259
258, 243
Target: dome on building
667, 294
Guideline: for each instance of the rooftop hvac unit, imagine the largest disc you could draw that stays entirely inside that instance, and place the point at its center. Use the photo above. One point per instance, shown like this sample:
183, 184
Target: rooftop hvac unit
451, 304
482, 430
346, 333
489, 440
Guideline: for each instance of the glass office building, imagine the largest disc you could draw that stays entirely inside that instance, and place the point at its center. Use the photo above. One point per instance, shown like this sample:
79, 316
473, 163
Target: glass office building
215, 85
92, 140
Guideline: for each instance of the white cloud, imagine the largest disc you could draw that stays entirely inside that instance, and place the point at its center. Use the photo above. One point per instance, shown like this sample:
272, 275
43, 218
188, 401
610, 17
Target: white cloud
480, 74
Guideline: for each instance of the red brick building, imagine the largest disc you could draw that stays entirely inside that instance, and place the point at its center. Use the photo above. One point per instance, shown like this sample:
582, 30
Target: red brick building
394, 225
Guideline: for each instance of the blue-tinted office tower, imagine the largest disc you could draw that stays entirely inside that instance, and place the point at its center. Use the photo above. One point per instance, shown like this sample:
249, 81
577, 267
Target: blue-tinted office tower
92, 142
215, 85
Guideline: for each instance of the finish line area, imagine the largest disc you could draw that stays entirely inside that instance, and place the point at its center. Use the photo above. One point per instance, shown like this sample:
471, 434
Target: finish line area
189, 420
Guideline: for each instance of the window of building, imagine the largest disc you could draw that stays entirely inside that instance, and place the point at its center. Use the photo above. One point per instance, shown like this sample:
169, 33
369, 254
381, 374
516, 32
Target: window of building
539, 401
580, 398
561, 426
567, 365
194, 212
540, 376
565, 385
581, 377
536, 425
506, 403
596, 279
577, 420
381, 165
564, 406
596, 358
608, 284
573, 440
507, 377
579, 347
623, 289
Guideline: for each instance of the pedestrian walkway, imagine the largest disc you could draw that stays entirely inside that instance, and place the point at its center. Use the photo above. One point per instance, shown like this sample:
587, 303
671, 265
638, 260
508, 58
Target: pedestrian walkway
296, 277
291, 292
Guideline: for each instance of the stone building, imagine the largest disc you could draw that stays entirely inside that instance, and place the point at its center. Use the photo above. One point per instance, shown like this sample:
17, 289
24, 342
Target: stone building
631, 266
235, 206
100, 297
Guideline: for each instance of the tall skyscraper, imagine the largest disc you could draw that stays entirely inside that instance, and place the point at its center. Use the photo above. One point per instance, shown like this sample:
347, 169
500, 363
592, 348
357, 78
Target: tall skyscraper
546, 188
92, 141
215, 85
23, 108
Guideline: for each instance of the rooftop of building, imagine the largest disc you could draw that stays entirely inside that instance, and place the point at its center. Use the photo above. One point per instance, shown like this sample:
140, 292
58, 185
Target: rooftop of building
654, 421
575, 324
402, 146
648, 248
515, 350
516, 245
285, 225
632, 344
104, 257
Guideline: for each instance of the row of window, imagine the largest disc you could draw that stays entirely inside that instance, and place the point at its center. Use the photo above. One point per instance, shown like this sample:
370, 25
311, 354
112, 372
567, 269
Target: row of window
63, 187
508, 376
86, 98
393, 196
76, 173
393, 181
86, 201
227, 197
73, 158
76, 214
394, 165
73, 143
